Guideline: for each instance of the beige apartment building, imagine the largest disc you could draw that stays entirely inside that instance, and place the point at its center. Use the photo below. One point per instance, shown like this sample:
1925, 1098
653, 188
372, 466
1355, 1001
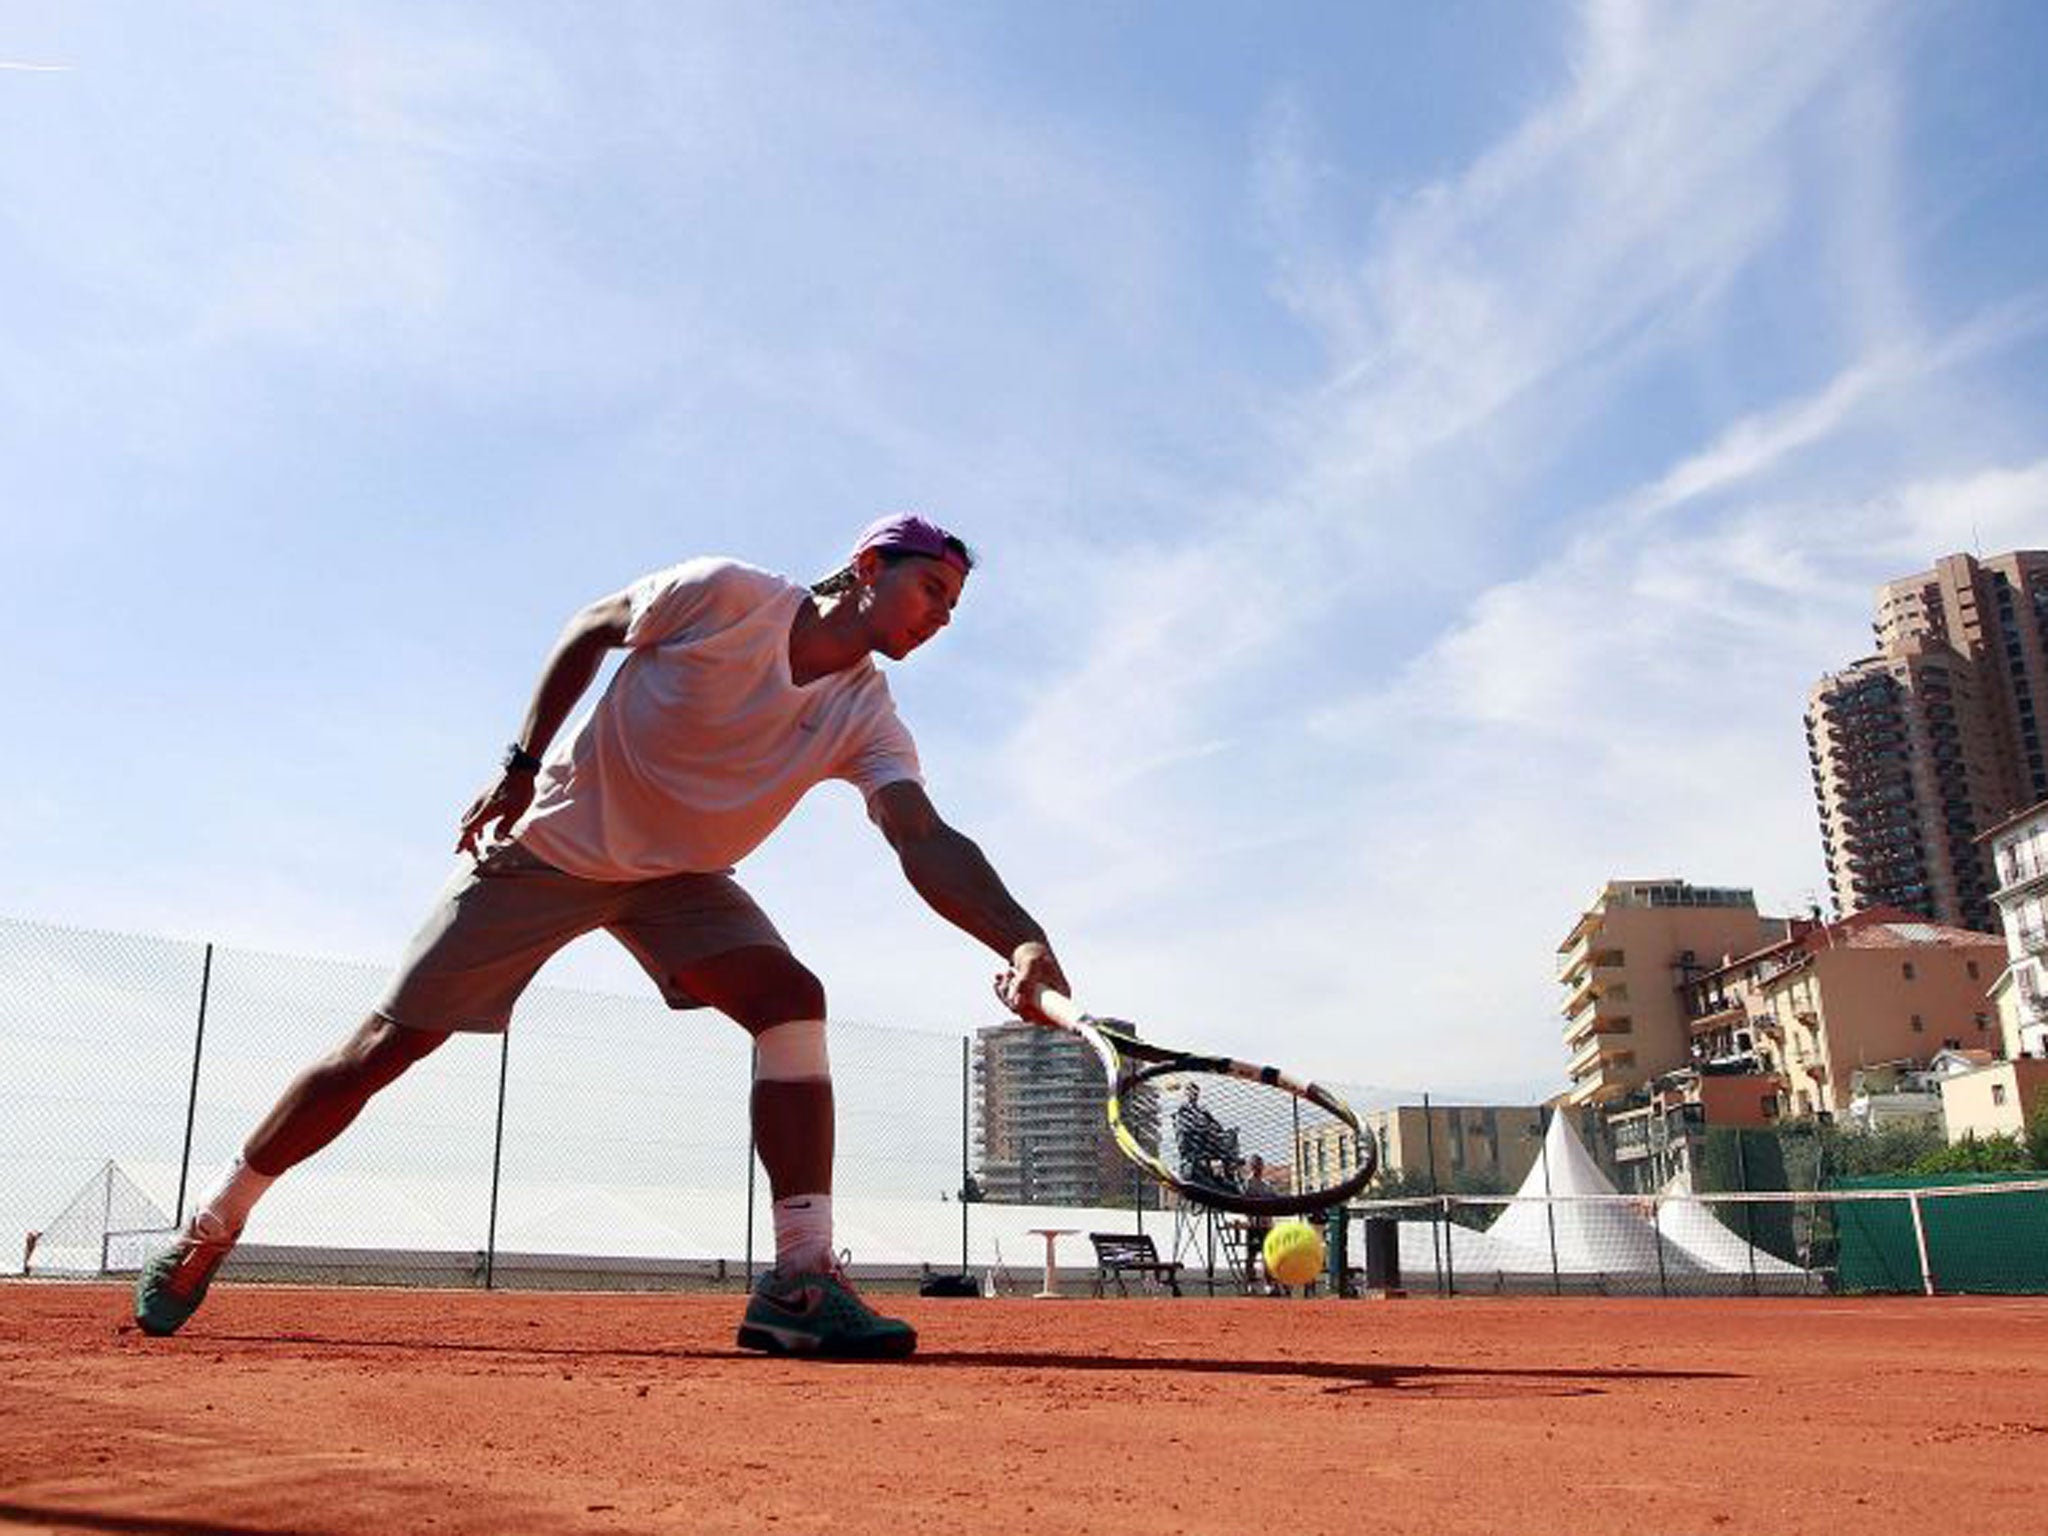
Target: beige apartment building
1879, 987
1622, 967
1917, 749
1460, 1145
1994, 1100
1326, 1154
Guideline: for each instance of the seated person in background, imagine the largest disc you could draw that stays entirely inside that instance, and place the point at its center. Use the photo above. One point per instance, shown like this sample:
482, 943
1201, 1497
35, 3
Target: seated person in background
1256, 1227
1208, 1152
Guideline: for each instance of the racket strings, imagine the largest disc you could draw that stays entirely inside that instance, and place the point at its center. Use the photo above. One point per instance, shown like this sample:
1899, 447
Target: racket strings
1227, 1137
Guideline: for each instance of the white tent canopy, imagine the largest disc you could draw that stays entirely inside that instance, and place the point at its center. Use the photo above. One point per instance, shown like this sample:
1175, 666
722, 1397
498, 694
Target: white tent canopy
1568, 1220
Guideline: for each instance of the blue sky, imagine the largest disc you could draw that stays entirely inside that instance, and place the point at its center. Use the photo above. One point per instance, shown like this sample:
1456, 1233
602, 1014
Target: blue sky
1421, 454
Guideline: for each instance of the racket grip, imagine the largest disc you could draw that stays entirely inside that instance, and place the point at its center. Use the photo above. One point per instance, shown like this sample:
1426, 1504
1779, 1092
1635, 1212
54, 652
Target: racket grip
1060, 1009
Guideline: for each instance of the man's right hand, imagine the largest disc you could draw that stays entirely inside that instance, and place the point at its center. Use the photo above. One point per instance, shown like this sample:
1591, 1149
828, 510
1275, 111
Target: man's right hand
1032, 966
502, 802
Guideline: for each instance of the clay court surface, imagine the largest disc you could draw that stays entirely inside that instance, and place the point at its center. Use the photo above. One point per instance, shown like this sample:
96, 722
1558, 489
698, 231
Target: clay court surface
394, 1411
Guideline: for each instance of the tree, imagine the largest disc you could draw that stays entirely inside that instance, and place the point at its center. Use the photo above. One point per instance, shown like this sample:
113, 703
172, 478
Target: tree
1974, 1154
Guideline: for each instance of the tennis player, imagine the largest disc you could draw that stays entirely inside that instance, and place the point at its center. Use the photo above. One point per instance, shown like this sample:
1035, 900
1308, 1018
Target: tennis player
741, 691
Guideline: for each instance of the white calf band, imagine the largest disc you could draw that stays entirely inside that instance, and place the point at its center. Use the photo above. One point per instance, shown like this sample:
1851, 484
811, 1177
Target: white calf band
792, 1053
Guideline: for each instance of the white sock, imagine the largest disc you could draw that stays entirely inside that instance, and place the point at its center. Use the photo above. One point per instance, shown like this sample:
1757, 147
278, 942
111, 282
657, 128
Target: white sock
803, 1234
236, 1194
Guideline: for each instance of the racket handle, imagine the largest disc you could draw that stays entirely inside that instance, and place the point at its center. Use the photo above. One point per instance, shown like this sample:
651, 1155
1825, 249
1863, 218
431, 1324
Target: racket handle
1060, 1009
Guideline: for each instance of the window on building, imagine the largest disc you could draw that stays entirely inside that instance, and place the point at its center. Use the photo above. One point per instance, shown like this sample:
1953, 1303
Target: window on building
1971, 967
1906, 969
1982, 1022
1919, 1025
1998, 1095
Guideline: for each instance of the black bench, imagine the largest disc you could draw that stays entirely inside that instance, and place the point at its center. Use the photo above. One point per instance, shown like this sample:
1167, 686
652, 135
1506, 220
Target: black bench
1117, 1252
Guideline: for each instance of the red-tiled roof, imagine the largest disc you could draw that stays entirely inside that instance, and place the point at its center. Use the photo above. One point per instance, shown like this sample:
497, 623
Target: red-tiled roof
1891, 928
1872, 928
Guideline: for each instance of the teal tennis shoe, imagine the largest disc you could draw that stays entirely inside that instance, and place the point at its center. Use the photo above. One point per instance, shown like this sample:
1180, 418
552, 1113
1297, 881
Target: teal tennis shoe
174, 1282
820, 1314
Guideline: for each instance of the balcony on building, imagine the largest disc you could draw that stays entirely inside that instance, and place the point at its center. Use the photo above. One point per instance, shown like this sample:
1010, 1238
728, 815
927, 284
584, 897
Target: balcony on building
1600, 1053
2021, 871
1593, 982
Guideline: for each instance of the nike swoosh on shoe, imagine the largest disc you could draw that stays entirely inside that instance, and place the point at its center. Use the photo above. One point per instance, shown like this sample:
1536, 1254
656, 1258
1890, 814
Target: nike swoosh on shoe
812, 1298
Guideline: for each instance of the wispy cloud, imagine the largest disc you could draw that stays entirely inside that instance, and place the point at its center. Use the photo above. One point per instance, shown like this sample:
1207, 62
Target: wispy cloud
1304, 710
1486, 677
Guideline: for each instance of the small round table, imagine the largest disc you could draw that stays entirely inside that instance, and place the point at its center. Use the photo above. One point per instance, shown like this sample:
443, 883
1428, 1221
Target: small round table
1052, 1235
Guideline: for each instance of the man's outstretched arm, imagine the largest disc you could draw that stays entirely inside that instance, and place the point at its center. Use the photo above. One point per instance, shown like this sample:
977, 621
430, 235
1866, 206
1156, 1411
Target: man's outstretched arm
577, 655
957, 881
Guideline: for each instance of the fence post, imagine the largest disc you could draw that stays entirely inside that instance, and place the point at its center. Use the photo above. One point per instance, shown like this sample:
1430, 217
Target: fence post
1657, 1235
1450, 1268
1439, 1236
1920, 1242
966, 1173
192, 1096
1748, 1209
754, 1065
497, 1162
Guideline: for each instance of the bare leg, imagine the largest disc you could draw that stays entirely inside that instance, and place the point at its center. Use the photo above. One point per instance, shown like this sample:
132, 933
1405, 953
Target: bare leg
314, 1110
760, 987
327, 1096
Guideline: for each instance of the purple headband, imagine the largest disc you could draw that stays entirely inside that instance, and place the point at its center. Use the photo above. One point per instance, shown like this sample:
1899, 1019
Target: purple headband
907, 533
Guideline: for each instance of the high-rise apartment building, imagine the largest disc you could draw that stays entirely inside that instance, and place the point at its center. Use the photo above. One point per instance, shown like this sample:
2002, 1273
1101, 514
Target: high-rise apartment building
1622, 965
1040, 1131
1899, 745
1919, 748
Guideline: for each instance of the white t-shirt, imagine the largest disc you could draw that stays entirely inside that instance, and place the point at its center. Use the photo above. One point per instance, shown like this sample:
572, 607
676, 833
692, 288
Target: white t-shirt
701, 745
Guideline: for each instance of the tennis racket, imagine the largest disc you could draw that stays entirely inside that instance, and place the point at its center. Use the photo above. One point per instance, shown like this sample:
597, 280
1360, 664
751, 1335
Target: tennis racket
1225, 1134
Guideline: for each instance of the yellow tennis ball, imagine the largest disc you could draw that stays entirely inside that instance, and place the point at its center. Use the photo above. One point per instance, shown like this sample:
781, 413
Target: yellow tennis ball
1294, 1253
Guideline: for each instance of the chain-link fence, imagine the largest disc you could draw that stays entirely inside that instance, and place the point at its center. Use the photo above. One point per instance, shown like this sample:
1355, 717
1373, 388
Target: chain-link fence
1979, 1236
604, 1141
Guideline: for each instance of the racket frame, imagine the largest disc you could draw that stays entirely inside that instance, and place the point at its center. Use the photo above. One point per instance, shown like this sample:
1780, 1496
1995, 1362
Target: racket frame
1128, 1061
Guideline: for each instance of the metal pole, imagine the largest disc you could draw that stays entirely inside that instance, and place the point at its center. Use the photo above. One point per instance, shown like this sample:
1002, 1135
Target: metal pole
192, 1097
1748, 1209
1439, 1240
965, 1172
754, 1062
1657, 1233
1450, 1265
497, 1162
1550, 1212
1920, 1243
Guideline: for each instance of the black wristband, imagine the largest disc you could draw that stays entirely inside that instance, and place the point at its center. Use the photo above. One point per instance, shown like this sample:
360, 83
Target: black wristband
519, 760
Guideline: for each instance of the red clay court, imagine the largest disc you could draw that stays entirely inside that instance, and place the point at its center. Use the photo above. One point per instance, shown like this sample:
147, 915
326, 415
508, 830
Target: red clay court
362, 1410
